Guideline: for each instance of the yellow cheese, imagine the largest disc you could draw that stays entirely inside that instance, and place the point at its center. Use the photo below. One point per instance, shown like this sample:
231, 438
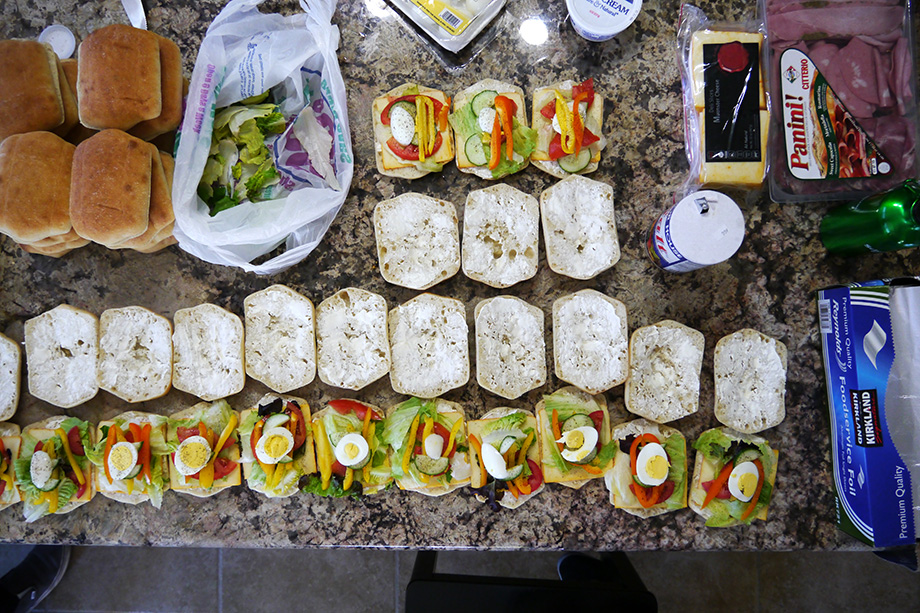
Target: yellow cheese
714, 37
748, 174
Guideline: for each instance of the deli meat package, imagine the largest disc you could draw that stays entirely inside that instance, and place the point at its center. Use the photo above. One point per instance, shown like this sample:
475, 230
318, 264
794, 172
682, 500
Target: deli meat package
843, 90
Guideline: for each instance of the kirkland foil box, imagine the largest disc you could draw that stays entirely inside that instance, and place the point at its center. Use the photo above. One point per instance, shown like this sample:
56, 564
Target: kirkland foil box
869, 339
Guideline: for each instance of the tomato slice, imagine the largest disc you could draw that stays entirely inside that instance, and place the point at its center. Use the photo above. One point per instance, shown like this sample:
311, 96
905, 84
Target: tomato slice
345, 406
723, 494
81, 489
410, 152
535, 479
38, 446
228, 443
555, 146
598, 418
549, 111
338, 468
223, 467
73, 439
184, 433
665, 491
2, 487
385, 114
300, 434
585, 86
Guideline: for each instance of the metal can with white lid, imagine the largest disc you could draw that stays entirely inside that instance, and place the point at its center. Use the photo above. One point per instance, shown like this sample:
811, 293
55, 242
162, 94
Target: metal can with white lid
600, 20
703, 229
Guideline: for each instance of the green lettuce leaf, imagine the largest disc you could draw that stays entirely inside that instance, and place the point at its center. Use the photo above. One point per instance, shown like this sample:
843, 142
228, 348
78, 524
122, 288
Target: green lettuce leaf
66, 490
156, 486
508, 422
248, 423
566, 405
24, 478
605, 455
314, 485
674, 446
714, 445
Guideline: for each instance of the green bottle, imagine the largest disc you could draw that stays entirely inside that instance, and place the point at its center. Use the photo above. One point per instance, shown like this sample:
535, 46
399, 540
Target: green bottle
882, 222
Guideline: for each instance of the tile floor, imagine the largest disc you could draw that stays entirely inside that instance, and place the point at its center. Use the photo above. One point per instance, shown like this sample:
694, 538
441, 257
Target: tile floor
230, 580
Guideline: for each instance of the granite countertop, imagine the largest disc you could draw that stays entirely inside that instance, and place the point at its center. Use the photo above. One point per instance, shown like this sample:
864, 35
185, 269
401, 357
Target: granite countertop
769, 285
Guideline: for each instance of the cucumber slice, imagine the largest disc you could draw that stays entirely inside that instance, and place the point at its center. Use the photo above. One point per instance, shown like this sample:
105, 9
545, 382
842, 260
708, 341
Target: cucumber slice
275, 420
482, 100
431, 466
515, 472
335, 437
747, 455
476, 152
587, 459
408, 106
507, 442
50, 485
575, 162
363, 462
134, 471
577, 421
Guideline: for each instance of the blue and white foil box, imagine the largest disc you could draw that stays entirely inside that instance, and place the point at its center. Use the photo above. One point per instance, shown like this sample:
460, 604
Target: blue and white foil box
869, 338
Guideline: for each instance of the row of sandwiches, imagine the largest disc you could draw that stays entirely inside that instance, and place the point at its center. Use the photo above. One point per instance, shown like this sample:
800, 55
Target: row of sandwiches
353, 449
417, 129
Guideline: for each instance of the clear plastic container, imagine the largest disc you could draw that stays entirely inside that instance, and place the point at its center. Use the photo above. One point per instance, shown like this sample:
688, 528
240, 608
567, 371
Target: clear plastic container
600, 20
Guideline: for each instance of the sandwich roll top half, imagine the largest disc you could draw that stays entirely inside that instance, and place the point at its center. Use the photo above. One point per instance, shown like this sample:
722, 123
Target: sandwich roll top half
277, 445
10, 446
429, 451
750, 381
351, 455
206, 459
10, 376
568, 119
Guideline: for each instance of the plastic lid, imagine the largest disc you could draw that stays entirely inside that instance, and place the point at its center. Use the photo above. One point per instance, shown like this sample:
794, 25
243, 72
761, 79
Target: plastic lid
61, 40
603, 17
707, 227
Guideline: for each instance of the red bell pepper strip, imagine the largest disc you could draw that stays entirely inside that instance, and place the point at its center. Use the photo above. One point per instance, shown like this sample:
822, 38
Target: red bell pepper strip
586, 87
496, 143
717, 483
756, 497
578, 126
385, 114
145, 452
109, 441
504, 108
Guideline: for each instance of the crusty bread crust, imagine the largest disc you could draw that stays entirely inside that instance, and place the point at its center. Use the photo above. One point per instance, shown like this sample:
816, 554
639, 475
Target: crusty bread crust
750, 381
30, 94
171, 93
10, 372
510, 348
352, 350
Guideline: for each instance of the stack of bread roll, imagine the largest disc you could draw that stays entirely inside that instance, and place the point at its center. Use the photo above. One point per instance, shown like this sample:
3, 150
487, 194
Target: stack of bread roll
114, 189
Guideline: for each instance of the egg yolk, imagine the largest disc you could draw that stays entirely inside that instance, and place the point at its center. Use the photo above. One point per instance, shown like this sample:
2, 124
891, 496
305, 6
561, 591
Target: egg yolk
747, 483
120, 459
194, 454
657, 467
275, 446
574, 439
351, 451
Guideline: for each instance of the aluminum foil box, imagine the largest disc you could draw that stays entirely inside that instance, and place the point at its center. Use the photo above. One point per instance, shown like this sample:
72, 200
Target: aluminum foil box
874, 417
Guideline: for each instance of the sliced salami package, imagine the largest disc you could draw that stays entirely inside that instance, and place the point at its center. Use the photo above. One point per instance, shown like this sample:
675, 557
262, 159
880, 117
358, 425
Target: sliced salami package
843, 84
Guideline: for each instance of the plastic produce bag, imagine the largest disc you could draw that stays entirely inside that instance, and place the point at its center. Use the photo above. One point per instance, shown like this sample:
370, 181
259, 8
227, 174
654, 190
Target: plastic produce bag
243, 54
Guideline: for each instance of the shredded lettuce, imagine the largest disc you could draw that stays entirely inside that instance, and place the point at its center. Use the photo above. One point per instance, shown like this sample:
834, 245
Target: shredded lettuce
508, 422
566, 405
314, 485
248, 423
714, 445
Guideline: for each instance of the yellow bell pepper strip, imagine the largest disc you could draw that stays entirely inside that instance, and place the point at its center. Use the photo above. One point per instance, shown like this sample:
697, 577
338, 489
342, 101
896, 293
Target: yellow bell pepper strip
578, 126
206, 476
718, 483
756, 497
591, 469
512, 488
482, 465
421, 126
496, 143
429, 426
365, 427
110, 440
129, 484
278, 475
564, 116
73, 463
349, 478
504, 112
432, 133
522, 454
557, 434
453, 434
52, 498
368, 434
410, 444
322, 453
424, 478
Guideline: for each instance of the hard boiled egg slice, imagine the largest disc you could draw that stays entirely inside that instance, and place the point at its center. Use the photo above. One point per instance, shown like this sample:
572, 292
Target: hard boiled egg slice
192, 455
578, 442
434, 445
274, 444
402, 125
742, 482
40, 468
652, 465
486, 119
495, 464
122, 460
352, 449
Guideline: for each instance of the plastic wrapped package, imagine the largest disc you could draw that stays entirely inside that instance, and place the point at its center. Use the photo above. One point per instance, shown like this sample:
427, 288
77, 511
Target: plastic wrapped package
846, 120
725, 103
452, 24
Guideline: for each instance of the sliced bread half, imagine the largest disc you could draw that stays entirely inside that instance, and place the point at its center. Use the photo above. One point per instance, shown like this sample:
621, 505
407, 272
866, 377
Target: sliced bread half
351, 339
510, 349
61, 352
10, 370
280, 338
135, 354
750, 377
208, 352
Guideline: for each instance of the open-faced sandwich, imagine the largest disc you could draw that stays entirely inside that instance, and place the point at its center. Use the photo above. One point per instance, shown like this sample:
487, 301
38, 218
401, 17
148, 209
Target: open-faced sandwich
207, 452
490, 126
575, 437
568, 141
130, 456
277, 443
505, 463
52, 472
411, 133
10, 443
437, 461
649, 475
733, 477
350, 453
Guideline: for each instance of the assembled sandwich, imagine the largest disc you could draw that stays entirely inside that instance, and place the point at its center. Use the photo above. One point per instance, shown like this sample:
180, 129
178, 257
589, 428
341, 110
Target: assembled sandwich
130, 456
10, 443
277, 443
574, 431
52, 472
733, 477
350, 453
429, 451
411, 134
568, 118
505, 463
490, 126
649, 475
207, 452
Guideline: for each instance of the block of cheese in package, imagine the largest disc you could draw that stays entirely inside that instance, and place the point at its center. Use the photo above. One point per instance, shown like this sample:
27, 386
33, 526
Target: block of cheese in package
714, 171
706, 38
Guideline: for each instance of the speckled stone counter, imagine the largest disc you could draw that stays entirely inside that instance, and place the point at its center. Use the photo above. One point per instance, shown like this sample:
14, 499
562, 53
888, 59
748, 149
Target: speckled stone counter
769, 286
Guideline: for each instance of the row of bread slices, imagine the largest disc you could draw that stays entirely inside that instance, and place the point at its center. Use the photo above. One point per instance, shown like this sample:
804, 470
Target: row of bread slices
351, 448
416, 131
422, 344
419, 245
112, 189
124, 78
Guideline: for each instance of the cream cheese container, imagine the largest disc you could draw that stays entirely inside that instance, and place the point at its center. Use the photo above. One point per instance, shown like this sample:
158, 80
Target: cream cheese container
600, 20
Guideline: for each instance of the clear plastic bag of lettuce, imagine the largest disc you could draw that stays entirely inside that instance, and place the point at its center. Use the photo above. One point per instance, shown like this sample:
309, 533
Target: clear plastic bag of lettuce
264, 157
